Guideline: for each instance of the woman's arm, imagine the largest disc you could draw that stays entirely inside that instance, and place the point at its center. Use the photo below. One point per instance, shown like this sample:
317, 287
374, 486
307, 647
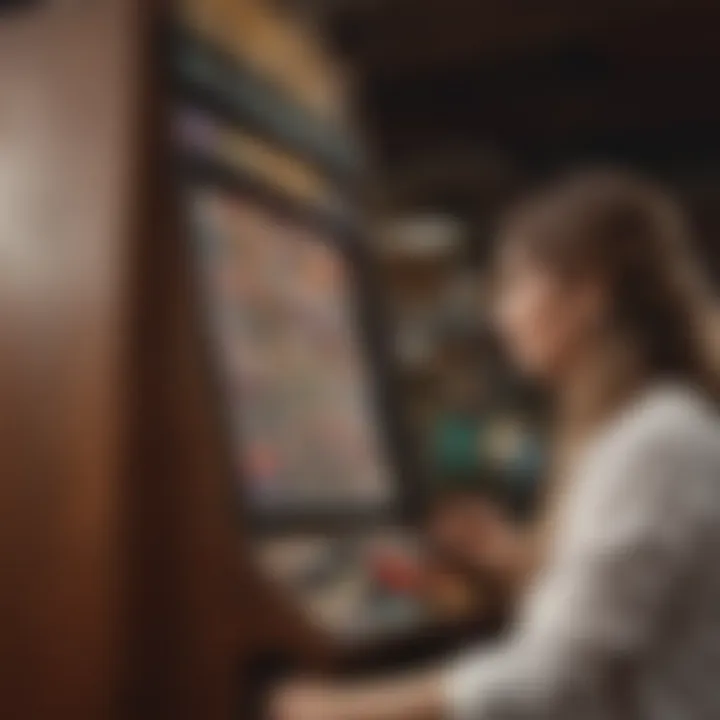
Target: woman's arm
628, 536
416, 697
630, 533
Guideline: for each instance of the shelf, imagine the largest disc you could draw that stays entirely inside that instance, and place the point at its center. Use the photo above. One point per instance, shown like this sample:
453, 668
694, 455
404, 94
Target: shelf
338, 223
211, 79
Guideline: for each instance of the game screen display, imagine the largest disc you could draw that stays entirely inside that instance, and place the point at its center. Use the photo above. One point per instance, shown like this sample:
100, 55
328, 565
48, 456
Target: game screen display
293, 373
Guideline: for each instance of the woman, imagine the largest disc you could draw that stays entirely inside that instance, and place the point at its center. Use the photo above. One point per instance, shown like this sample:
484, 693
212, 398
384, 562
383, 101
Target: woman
619, 614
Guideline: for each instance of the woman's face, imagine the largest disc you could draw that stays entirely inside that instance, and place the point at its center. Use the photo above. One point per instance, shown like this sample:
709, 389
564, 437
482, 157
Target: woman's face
543, 319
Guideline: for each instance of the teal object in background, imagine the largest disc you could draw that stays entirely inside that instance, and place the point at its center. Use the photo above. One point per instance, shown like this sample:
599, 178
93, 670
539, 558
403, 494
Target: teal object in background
455, 446
480, 454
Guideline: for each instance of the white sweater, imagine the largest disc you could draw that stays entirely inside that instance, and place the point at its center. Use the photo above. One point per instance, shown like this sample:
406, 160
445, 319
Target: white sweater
625, 620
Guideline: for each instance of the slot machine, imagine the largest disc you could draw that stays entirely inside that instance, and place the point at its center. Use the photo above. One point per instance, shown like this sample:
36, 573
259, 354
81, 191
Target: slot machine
231, 495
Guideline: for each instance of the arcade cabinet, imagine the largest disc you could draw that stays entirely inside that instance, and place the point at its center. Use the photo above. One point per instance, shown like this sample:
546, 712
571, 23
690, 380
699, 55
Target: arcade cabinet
322, 485
323, 490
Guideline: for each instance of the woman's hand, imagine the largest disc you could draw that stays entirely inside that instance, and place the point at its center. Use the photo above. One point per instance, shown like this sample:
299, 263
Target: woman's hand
477, 533
309, 701
415, 698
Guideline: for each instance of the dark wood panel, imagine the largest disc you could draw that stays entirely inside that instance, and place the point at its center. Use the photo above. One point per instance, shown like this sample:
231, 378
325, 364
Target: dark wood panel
66, 93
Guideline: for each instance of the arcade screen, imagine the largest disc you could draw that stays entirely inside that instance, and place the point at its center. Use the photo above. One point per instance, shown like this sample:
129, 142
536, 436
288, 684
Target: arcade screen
292, 368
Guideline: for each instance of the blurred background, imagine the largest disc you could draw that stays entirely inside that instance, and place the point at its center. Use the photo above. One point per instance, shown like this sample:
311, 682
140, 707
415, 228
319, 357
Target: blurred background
462, 106
394, 132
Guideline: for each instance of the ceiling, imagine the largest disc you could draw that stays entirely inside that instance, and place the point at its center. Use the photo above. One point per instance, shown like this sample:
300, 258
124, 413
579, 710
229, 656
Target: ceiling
545, 81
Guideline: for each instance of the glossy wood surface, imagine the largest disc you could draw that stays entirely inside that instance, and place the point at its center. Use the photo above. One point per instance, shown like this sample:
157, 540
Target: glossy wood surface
66, 130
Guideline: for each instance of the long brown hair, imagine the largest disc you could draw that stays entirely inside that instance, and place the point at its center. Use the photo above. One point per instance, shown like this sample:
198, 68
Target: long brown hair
636, 238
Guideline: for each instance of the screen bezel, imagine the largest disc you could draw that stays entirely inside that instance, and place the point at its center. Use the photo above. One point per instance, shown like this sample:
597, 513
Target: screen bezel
346, 237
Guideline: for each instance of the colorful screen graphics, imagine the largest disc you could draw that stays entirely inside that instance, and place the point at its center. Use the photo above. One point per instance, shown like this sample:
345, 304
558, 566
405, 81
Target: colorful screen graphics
293, 369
